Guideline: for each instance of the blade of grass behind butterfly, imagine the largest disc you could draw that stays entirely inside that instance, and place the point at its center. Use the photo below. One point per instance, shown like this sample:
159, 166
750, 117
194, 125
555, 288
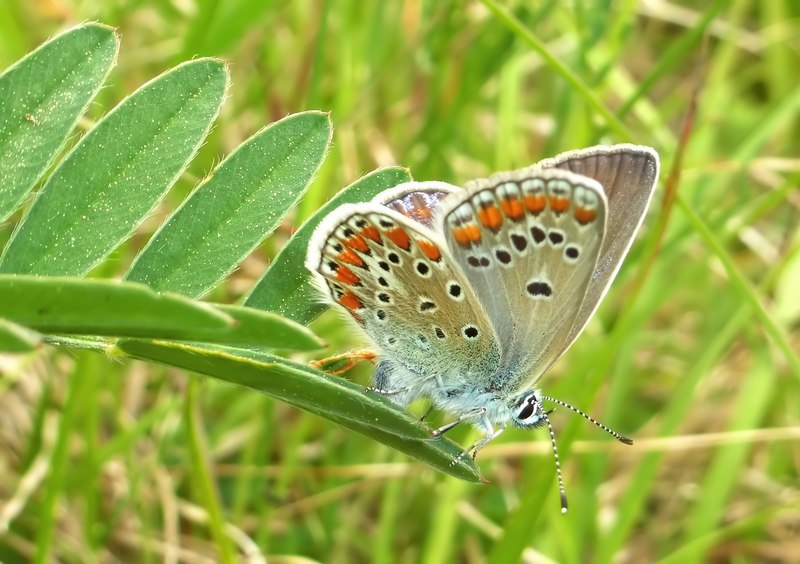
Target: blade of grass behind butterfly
233, 23
199, 20
17, 338
779, 55
765, 130
441, 537
676, 55
67, 426
285, 287
632, 505
746, 290
728, 463
577, 84
509, 153
752, 526
203, 483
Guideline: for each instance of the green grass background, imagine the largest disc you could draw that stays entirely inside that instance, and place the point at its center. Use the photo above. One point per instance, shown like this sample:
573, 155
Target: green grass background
693, 353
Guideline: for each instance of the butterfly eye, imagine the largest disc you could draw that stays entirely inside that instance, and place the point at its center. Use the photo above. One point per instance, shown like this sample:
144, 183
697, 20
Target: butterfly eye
526, 412
529, 412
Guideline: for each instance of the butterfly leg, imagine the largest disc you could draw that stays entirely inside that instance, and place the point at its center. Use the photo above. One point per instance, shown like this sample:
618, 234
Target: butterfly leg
483, 441
341, 363
491, 434
471, 414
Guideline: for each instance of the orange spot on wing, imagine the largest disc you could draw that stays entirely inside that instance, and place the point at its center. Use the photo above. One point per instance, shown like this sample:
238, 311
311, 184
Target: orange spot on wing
585, 215
512, 207
461, 236
430, 250
559, 205
347, 276
534, 203
399, 237
350, 301
473, 232
371, 232
357, 243
490, 217
350, 257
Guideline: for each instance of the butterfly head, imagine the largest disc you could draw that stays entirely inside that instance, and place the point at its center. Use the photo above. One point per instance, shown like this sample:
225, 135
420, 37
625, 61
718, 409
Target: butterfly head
527, 411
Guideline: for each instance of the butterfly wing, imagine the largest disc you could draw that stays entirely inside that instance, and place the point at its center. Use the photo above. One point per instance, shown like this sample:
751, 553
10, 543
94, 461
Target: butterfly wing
628, 175
395, 279
528, 242
416, 200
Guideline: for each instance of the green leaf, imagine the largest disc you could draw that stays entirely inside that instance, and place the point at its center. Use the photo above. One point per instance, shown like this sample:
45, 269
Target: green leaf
333, 398
105, 307
286, 287
41, 99
266, 330
117, 173
230, 214
15, 338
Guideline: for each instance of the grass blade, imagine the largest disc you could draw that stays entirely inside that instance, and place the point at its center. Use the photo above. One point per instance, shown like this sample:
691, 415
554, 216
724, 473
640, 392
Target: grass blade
675, 55
726, 468
571, 78
743, 286
201, 475
16, 338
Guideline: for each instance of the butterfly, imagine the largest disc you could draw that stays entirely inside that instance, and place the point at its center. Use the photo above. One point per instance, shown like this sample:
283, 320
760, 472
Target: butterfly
471, 294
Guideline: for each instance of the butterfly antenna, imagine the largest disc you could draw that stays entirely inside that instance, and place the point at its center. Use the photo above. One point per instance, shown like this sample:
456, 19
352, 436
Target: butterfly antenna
561, 489
591, 419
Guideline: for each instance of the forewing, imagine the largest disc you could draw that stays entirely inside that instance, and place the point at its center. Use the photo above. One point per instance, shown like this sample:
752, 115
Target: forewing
394, 278
528, 242
628, 175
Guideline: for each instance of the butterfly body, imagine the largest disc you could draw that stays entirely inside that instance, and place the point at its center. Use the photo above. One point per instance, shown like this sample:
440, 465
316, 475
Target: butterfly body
471, 294
455, 392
